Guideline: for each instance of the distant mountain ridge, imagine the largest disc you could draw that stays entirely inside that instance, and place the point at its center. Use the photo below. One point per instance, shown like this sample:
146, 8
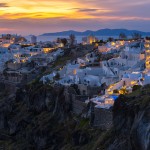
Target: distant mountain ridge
102, 32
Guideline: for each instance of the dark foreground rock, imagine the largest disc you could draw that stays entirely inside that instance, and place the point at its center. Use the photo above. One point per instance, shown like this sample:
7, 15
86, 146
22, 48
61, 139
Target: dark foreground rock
40, 118
131, 125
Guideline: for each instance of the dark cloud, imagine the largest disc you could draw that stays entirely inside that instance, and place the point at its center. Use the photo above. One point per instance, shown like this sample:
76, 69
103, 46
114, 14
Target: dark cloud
3, 5
88, 10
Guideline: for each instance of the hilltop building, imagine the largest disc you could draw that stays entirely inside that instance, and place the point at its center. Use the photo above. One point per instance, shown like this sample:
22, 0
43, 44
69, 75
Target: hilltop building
33, 39
89, 40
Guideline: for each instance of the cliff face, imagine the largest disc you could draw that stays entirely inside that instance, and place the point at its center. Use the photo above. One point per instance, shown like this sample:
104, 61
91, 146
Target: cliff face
39, 118
131, 123
27, 120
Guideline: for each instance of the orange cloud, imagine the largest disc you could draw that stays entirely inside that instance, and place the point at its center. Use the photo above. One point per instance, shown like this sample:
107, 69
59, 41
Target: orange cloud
72, 14
71, 9
46, 9
6, 29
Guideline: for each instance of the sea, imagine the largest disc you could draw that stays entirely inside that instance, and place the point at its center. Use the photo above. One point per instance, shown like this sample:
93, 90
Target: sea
78, 38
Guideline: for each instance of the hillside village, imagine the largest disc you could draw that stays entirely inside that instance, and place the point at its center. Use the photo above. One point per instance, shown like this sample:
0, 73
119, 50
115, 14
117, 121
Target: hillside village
121, 74
100, 70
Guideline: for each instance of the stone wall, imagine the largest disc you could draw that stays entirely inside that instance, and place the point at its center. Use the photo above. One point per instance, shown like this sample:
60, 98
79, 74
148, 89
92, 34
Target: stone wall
101, 118
14, 66
88, 90
78, 106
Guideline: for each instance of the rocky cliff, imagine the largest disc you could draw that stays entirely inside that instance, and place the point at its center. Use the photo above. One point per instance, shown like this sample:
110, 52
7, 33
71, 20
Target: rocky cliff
131, 122
27, 120
40, 118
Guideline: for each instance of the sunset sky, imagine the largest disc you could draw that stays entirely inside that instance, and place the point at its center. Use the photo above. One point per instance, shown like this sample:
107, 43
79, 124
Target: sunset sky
40, 16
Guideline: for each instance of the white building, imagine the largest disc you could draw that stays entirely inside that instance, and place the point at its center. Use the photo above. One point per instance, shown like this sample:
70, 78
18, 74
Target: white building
33, 39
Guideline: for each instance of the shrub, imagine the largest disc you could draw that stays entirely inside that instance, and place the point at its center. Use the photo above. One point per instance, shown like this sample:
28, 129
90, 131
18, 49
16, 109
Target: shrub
136, 87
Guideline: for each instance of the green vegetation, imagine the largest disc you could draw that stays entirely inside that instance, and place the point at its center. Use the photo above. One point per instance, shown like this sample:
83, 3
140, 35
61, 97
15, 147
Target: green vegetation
84, 123
122, 36
136, 36
61, 61
140, 96
136, 87
104, 140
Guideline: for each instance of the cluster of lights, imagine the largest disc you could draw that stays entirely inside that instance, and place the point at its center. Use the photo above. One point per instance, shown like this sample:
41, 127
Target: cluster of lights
109, 101
113, 43
123, 90
147, 47
47, 50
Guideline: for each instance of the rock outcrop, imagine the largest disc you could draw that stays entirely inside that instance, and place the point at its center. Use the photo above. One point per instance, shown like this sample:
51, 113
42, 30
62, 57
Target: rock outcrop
39, 117
131, 121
